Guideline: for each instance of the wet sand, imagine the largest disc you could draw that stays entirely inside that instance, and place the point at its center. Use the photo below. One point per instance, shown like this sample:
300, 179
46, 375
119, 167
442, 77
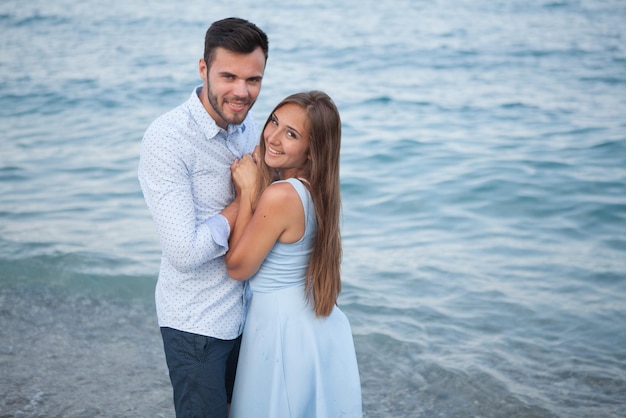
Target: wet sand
76, 356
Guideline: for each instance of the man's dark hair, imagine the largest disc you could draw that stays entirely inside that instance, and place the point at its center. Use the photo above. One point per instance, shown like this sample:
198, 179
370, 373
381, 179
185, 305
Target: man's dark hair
235, 35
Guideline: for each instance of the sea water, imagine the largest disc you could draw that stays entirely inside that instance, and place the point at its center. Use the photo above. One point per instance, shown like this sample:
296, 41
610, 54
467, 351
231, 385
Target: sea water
483, 182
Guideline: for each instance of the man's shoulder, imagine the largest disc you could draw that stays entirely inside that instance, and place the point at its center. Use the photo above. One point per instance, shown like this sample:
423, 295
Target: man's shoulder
178, 116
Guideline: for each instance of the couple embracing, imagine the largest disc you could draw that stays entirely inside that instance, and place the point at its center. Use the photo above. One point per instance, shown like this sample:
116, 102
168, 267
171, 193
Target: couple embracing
248, 221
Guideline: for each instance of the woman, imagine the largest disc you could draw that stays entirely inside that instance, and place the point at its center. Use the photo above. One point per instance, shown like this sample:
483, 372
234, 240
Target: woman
297, 355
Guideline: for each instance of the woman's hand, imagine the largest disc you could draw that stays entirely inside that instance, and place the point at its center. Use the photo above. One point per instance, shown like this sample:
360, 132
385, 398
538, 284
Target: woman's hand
245, 173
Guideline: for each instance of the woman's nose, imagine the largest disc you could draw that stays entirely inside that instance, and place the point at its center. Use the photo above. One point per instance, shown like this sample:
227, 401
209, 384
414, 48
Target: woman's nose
272, 136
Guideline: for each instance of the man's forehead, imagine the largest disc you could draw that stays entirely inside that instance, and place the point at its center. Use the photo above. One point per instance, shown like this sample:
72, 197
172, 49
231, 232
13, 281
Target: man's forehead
225, 61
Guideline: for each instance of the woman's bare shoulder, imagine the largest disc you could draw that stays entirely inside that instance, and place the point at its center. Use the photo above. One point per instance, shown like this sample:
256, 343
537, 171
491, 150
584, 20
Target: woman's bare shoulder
280, 192
280, 199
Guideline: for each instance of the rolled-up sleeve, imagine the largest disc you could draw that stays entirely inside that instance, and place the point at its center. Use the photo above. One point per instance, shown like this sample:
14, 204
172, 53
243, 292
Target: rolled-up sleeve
220, 230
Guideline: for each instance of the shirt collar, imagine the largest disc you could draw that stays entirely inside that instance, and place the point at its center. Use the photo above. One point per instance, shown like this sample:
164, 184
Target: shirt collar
205, 121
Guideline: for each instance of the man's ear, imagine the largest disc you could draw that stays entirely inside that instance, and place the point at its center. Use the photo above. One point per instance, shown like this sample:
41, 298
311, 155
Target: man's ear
202, 69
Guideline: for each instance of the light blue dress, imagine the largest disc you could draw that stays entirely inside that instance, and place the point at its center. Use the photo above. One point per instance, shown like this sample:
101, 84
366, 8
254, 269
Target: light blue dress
292, 363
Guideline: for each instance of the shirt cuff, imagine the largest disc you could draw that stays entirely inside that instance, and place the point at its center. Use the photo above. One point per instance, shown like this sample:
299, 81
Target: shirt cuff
220, 229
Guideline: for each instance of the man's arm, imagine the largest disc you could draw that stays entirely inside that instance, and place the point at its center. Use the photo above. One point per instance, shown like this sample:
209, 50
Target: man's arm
230, 212
167, 189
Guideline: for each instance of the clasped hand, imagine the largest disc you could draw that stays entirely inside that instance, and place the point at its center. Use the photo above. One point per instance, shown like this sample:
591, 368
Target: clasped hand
245, 173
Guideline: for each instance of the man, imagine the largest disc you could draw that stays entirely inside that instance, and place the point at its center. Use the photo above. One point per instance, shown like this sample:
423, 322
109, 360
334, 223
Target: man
184, 172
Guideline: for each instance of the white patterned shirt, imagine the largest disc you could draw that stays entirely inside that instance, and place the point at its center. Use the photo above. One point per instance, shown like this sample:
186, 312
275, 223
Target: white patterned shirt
184, 173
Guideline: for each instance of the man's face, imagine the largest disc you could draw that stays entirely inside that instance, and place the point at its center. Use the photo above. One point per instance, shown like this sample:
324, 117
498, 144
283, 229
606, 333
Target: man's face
231, 85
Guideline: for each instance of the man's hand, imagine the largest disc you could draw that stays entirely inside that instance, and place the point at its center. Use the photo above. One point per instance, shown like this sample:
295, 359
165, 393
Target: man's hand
230, 212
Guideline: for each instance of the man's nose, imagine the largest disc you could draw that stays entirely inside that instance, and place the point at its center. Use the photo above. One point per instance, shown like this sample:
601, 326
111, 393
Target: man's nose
241, 88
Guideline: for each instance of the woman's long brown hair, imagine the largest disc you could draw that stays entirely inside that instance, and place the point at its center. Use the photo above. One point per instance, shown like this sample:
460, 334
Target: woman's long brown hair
323, 282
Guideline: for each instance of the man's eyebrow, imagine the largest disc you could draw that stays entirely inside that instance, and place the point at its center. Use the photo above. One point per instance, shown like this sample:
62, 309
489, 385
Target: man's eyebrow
229, 74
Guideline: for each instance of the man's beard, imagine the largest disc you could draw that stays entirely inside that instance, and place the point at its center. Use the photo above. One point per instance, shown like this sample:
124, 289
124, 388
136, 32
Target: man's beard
236, 120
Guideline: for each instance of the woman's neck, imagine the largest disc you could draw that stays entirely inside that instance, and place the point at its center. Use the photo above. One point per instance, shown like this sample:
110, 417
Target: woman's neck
292, 173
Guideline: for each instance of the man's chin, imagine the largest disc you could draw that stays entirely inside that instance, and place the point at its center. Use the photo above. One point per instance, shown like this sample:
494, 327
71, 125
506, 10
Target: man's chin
238, 118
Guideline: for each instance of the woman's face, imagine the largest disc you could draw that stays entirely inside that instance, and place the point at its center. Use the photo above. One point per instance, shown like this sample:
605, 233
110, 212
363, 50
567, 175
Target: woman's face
286, 138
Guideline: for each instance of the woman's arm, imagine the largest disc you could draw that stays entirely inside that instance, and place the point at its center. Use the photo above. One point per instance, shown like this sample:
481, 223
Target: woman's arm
279, 216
